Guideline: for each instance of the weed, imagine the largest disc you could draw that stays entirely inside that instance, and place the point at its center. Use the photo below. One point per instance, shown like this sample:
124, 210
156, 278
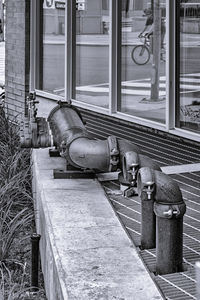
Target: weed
16, 211
17, 290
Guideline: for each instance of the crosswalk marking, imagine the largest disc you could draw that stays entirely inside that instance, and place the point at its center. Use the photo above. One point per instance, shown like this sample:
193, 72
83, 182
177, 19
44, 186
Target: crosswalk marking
142, 87
193, 80
106, 90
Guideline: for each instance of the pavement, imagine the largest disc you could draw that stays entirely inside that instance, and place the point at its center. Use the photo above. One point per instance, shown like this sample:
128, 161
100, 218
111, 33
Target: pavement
128, 38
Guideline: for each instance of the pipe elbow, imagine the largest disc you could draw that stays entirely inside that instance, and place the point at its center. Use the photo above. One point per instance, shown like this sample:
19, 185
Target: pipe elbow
166, 189
90, 154
132, 162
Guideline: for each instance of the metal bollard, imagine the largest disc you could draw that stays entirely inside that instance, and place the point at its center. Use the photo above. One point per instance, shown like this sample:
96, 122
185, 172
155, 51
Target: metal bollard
169, 208
35, 238
146, 190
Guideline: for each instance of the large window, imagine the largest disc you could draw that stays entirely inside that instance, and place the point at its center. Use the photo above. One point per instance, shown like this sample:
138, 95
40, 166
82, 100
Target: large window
92, 53
188, 108
53, 51
143, 85
121, 66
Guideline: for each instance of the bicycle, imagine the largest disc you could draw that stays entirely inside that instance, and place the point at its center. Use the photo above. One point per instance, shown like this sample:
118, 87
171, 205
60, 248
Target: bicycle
141, 53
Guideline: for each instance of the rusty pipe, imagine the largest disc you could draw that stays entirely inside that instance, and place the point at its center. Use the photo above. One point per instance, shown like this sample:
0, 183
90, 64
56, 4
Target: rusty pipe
89, 153
79, 148
169, 209
132, 162
146, 190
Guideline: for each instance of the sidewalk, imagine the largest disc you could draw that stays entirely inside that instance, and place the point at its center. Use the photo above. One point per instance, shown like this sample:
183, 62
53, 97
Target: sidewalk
128, 38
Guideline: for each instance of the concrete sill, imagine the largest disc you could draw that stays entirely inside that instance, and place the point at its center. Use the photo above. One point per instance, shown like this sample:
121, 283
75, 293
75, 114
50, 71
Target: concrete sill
85, 252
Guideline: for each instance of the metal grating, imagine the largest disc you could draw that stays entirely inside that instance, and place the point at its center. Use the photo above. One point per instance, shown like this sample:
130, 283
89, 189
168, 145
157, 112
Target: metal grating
166, 151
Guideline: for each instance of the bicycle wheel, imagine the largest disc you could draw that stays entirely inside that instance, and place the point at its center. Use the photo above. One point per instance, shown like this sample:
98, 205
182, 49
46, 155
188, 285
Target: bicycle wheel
140, 55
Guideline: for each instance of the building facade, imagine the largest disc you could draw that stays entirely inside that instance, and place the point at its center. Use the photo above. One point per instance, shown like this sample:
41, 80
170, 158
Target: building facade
91, 52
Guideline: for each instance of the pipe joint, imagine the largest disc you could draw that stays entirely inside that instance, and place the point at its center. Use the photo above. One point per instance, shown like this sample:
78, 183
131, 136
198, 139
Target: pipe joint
130, 167
148, 190
114, 153
35, 133
166, 211
70, 136
146, 183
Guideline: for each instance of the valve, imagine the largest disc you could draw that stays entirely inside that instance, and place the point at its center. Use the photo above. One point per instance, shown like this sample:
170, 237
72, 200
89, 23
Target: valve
149, 188
34, 131
133, 172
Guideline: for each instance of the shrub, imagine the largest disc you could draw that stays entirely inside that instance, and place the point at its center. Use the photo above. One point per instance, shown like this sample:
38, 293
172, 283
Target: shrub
16, 210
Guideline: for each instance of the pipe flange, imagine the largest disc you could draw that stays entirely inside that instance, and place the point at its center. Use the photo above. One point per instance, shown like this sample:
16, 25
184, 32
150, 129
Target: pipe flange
64, 104
114, 153
166, 211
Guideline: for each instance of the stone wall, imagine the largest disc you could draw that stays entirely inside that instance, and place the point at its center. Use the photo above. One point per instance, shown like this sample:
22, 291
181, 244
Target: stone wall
17, 53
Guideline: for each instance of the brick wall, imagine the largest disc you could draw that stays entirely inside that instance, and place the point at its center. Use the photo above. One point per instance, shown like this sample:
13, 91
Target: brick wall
17, 55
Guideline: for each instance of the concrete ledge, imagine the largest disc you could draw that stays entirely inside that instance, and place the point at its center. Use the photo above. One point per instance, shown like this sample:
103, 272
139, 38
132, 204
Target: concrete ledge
85, 252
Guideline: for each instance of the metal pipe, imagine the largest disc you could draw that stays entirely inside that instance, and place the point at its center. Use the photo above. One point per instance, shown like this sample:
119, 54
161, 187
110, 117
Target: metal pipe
79, 148
169, 208
132, 162
35, 238
161, 197
146, 190
92, 154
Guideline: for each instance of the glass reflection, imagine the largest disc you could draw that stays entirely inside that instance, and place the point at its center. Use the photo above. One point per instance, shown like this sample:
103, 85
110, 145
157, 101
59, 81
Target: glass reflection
189, 77
53, 46
143, 86
92, 52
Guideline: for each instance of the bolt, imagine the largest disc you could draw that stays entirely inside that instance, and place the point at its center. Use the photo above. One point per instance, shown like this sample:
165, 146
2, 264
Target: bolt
168, 213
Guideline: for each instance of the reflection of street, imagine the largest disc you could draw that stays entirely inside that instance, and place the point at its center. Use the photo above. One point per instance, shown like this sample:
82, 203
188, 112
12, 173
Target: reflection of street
135, 91
142, 87
93, 59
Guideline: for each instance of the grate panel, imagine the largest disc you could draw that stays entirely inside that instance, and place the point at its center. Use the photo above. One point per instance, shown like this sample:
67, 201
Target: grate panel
177, 286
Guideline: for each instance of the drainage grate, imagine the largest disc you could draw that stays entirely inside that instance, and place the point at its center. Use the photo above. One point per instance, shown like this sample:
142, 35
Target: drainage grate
177, 286
173, 286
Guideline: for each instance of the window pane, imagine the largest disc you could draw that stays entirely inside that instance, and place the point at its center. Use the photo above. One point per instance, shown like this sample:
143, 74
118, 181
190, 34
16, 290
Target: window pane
189, 77
143, 86
53, 46
92, 53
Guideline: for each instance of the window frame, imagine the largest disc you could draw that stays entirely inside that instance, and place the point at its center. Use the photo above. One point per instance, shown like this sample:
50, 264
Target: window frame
172, 68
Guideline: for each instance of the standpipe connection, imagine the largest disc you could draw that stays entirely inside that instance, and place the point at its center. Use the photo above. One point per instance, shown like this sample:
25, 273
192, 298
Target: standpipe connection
162, 199
67, 132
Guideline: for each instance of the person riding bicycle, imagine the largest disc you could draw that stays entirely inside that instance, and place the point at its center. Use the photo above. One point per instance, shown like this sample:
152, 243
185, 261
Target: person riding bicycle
149, 23
149, 27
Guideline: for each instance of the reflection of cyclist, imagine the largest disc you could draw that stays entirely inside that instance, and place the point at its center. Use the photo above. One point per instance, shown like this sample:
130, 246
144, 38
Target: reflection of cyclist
149, 22
149, 28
